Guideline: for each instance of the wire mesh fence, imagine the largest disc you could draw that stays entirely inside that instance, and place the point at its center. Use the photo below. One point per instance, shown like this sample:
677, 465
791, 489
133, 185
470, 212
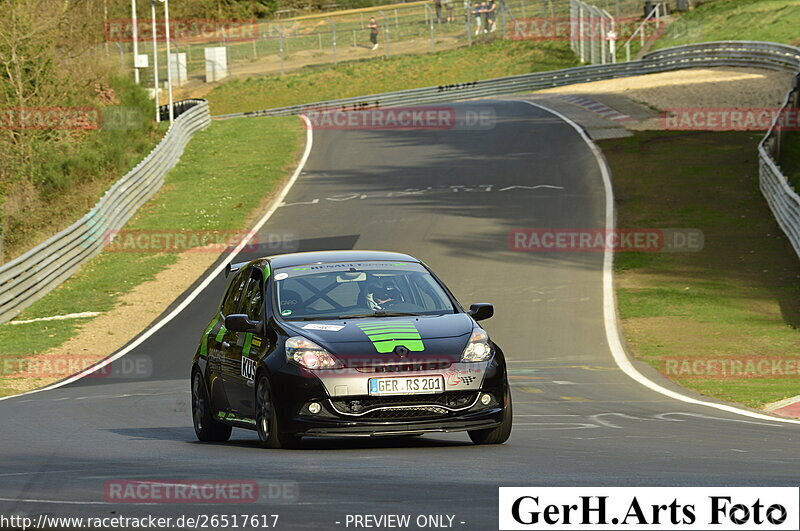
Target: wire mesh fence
251, 48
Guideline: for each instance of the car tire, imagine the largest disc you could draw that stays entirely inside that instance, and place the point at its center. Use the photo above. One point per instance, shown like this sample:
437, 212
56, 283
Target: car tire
268, 425
206, 427
499, 434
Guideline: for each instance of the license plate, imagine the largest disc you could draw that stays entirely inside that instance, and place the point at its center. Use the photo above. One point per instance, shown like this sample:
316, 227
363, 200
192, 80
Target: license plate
406, 385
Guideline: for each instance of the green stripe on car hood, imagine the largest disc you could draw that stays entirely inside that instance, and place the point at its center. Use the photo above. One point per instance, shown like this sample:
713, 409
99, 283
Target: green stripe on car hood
387, 336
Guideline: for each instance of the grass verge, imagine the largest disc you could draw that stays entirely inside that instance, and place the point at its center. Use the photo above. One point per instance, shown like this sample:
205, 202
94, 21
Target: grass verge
719, 20
737, 300
218, 185
483, 61
68, 171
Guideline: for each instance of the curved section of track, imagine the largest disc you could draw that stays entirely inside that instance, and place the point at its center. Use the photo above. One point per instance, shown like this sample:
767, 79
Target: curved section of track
449, 197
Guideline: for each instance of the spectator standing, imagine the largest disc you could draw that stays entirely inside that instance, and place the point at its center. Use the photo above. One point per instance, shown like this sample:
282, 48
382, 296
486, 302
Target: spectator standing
448, 8
484, 12
491, 11
373, 32
437, 5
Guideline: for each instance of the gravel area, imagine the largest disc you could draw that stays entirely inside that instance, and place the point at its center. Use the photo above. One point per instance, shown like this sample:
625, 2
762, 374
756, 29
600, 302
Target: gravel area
701, 87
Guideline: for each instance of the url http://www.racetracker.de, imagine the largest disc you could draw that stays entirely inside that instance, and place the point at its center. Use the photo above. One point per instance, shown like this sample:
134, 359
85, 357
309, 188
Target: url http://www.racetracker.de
197, 521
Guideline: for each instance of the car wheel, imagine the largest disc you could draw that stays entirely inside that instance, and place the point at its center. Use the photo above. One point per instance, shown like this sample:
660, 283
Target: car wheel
267, 422
206, 427
497, 435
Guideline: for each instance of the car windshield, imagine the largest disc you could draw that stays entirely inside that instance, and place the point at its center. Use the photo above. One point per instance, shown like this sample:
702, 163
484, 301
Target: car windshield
358, 289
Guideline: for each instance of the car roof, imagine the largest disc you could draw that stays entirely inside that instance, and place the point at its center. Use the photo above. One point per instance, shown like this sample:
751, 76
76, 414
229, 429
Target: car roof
317, 257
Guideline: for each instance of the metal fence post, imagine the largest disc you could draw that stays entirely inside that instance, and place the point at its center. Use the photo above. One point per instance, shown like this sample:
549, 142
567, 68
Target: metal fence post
581, 34
589, 37
386, 28
429, 10
227, 55
503, 17
601, 39
280, 44
469, 25
333, 25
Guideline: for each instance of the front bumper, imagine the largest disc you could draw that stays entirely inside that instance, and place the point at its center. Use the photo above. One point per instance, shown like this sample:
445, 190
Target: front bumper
357, 414
344, 428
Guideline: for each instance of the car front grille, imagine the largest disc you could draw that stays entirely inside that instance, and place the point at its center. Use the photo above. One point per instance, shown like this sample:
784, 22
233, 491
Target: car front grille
395, 407
406, 367
410, 412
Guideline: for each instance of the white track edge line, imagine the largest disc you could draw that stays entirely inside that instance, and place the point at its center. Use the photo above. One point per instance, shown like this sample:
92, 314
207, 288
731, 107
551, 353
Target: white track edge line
203, 285
609, 297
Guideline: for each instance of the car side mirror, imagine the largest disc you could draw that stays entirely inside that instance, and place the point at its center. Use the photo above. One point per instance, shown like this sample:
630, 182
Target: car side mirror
481, 311
239, 322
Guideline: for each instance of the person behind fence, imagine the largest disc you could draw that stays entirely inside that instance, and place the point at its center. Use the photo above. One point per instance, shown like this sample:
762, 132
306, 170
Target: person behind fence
476, 13
491, 11
437, 6
373, 32
448, 7
484, 14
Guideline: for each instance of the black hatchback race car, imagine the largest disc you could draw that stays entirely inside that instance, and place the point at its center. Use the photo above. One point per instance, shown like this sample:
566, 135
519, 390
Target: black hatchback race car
346, 343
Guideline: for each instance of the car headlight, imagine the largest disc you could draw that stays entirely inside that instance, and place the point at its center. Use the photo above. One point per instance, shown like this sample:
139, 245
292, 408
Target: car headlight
478, 348
308, 354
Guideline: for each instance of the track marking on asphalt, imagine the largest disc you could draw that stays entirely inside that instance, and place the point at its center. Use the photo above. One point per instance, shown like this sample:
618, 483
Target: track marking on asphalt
104, 397
613, 334
35, 473
600, 420
206, 281
454, 188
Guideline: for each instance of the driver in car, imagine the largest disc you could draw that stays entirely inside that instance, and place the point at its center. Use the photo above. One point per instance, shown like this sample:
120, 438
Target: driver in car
383, 298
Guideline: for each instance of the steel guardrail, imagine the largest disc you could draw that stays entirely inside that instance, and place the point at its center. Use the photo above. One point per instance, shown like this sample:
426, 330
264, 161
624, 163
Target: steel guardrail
723, 53
31, 276
781, 197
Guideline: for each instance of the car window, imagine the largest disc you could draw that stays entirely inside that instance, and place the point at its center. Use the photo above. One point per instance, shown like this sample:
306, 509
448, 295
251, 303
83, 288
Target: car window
335, 290
234, 293
253, 298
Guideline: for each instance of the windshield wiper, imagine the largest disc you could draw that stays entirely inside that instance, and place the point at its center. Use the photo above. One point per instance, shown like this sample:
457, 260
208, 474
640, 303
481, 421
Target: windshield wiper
378, 313
314, 318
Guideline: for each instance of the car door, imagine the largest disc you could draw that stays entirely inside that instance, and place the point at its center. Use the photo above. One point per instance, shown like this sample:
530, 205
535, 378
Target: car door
245, 348
222, 339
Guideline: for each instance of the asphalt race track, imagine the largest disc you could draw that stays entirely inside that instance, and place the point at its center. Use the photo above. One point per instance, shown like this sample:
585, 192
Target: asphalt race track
449, 197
